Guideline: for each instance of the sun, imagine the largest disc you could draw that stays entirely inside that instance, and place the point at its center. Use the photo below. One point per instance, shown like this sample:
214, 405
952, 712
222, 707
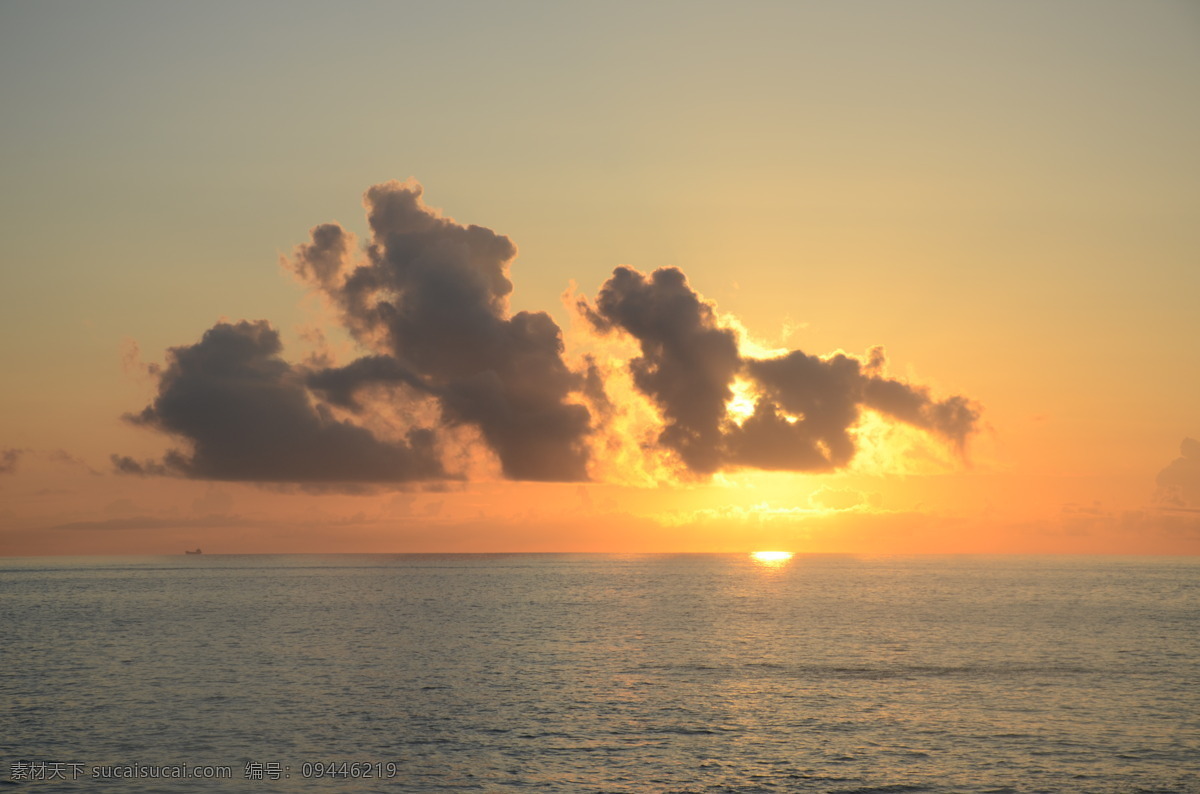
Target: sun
771, 558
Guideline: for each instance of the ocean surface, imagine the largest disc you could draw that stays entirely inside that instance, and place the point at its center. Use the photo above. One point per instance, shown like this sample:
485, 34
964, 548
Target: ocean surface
594, 673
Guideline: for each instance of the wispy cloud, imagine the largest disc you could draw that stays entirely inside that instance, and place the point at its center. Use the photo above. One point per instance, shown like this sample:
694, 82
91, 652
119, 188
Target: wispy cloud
9, 459
1179, 483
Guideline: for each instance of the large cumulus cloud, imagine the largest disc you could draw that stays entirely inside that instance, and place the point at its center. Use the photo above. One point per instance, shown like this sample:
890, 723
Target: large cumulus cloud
806, 406
247, 415
427, 300
431, 298
687, 363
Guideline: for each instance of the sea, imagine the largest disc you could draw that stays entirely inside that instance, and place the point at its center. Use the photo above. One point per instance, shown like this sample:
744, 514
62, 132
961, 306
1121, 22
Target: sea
600, 673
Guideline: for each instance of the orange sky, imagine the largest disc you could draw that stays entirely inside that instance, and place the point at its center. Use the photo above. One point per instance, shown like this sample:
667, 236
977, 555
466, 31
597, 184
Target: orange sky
1001, 200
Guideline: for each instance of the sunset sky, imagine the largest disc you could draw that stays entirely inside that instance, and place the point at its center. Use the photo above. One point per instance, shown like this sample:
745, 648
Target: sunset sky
863, 277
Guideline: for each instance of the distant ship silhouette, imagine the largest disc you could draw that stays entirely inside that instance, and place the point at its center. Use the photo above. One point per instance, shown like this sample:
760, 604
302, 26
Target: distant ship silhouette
197, 551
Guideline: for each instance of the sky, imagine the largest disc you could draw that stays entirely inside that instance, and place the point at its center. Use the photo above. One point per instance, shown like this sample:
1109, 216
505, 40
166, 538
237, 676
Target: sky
855, 277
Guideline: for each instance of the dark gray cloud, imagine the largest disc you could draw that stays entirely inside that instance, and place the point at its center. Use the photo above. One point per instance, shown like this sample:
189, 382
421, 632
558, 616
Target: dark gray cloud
323, 260
954, 418
432, 299
247, 416
429, 298
809, 404
123, 464
688, 362
1179, 482
803, 417
341, 385
806, 406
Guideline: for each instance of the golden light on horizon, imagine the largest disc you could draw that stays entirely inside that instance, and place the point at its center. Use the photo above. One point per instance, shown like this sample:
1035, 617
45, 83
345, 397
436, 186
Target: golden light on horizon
771, 559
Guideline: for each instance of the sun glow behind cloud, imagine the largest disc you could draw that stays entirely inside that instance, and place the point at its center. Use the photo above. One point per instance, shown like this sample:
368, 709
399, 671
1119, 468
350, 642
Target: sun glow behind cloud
889, 448
664, 390
741, 406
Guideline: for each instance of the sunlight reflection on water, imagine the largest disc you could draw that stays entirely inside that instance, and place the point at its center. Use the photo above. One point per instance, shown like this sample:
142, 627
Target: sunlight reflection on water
771, 559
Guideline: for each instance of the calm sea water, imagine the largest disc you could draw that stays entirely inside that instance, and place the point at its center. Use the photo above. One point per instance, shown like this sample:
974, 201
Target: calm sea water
593, 673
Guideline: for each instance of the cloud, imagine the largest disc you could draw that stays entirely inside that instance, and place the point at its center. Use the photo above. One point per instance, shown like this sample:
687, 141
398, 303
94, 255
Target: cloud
431, 298
153, 523
1179, 482
444, 361
804, 413
247, 416
955, 418
9, 459
123, 464
804, 406
342, 385
828, 498
687, 363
